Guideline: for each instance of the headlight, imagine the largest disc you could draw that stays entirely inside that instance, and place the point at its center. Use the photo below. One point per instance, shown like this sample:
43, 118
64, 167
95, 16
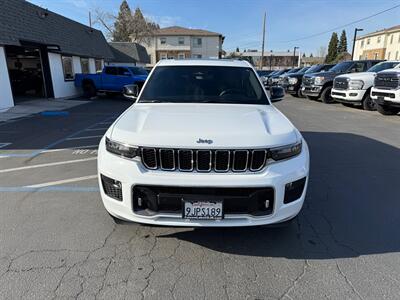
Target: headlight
319, 80
286, 151
121, 149
356, 84
292, 80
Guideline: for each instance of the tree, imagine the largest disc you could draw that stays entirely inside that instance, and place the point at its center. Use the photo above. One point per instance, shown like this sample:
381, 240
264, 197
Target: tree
332, 48
311, 55
321, 52
342, 48
122, 24
304, 54
237, 49
140, 28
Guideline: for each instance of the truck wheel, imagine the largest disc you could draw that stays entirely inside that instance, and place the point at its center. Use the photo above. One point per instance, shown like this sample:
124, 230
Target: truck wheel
299, 93
326, 95
89, 90
368, 103
385, 110
312, 98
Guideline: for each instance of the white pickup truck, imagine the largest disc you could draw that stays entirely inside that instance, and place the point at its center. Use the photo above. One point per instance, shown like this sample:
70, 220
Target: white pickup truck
355, 89
203, 146
386, 91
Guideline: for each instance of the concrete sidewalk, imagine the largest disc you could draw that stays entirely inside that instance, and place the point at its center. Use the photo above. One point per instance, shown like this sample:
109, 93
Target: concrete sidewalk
31, 107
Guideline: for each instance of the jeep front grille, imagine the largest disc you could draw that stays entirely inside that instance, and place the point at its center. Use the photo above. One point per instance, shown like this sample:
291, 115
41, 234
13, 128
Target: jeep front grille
188, 160
387, 81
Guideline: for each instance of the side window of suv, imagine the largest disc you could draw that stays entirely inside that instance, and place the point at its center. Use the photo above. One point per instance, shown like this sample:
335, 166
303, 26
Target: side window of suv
359, 67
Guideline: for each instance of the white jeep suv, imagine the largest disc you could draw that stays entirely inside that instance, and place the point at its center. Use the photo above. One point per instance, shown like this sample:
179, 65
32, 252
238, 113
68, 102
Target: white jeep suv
203, 146
355, 88
386, 91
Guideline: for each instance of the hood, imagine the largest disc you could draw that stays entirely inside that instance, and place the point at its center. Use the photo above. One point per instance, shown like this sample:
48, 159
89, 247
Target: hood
360, 76
229, 126
326, 74
394, 70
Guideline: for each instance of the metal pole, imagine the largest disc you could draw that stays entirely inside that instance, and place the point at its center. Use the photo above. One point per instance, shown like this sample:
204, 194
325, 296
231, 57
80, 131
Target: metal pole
294, 54
354, 44
263, 42
90, 19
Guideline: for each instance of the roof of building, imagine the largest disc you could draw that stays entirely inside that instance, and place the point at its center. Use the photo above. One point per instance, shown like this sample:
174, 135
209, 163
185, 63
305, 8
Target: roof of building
381, 31
204, 62
177, 30
21, 21
314, 59
125, 52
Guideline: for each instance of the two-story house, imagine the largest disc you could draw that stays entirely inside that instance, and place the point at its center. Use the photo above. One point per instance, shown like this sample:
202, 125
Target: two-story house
382, 44
181, 43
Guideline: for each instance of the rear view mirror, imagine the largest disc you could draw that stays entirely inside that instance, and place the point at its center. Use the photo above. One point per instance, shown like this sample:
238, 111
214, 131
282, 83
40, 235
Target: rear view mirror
277, 93
131, 91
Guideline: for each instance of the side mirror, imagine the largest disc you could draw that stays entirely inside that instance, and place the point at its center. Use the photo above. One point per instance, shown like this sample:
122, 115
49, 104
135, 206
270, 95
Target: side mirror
277, 93
131, 91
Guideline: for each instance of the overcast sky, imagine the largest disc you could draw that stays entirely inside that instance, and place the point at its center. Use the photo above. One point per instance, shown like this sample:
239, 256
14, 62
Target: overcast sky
241, 20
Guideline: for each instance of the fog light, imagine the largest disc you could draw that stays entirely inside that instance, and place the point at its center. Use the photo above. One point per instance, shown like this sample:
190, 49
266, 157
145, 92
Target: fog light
112, 188
294, 190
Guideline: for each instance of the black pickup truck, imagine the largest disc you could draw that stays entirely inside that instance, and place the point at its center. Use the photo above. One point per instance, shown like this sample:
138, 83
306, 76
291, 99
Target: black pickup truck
294, 81
319, 85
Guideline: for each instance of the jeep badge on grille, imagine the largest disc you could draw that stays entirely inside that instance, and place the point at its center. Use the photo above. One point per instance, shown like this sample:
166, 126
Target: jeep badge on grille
203, 141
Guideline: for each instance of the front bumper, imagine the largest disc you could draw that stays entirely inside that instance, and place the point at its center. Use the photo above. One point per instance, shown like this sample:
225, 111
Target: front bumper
348, 96
292, 88
311, 90
386, 97
131, 173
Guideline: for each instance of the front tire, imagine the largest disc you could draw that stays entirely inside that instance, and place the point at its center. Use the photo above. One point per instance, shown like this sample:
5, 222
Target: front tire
326, 95
369, 103
386, 110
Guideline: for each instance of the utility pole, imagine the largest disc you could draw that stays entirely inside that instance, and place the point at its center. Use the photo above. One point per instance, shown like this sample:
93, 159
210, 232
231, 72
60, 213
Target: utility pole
354, 41
90, 19
263, 42
294, 54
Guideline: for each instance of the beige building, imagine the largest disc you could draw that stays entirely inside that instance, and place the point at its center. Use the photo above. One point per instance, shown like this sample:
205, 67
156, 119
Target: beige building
180, 43
382, 44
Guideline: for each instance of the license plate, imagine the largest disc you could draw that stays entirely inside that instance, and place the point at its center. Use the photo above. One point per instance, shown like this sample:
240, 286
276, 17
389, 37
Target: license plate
291, 88
199, 210
381, 98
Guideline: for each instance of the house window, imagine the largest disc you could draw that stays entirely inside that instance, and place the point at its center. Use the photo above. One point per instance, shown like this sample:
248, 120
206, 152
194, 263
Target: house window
397, 55
376, 55
391, 38
163, 41
362, 43
368, 41
198, 42
181, 56
181, 40
379, 39
68, 68
85, 65
163, 56
98, 65
196, 56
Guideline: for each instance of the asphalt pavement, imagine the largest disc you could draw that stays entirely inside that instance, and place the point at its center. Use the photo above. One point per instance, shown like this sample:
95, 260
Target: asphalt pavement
57, 241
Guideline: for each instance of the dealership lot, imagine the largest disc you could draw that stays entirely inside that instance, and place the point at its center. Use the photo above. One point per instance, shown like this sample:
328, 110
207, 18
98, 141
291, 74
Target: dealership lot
56, 239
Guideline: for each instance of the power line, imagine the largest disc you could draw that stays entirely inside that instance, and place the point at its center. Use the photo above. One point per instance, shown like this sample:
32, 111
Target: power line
340, 27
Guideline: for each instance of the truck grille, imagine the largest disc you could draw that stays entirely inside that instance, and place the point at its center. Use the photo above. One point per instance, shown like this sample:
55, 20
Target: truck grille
387, 81
308, 81
187, 160
341, 83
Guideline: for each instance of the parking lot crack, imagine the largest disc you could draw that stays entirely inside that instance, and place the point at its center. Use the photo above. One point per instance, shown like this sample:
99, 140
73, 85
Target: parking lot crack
291, 288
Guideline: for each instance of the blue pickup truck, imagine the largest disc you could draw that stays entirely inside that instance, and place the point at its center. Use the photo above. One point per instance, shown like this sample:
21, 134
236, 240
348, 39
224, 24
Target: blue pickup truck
111, 80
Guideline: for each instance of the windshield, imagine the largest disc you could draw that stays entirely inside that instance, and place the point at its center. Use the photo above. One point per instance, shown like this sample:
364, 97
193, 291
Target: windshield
314, 69
293, 71
342, 67
138, 71
383, 66
204, 84
303, 70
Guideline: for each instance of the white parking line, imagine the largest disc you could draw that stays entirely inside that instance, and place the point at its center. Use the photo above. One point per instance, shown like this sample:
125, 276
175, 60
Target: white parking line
48, 164
84, 137
71, 148
46, 184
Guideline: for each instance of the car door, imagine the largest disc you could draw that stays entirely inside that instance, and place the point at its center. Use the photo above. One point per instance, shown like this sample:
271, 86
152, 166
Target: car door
109, 78
124, 78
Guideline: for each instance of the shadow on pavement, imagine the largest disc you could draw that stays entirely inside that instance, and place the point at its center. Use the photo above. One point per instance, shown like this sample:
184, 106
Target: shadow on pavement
352, 206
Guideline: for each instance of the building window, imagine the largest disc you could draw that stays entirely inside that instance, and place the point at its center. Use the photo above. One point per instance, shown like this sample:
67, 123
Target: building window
196, 56
163, 56
379, 39
68, 68
368, 41
391, 38
181, 56
397, 55
85, 65
198, 42
362, 43
376, 55
98, 65
163, 41
360, 57
181, 40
